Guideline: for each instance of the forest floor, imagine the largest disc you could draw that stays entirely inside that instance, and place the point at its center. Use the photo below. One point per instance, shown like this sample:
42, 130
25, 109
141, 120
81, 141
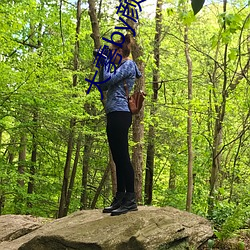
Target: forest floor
241, 242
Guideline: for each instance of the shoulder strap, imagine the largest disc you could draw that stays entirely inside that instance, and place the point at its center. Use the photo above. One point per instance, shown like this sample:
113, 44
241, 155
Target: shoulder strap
126, 88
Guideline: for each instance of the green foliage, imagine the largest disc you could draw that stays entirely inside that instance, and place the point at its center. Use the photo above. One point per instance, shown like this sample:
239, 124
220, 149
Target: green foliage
241, 245
221, 212
210, 244
233, 222
38, 80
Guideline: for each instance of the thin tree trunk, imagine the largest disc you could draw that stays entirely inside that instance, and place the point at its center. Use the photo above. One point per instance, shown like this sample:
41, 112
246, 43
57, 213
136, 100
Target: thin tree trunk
62, 205
64, 191
95, 25
34, 120
19, 199
113, 173
97, 43
98, 191
234, 169
2, 194
73, 174
2, 201
35, 112
172, 178
217, 142
32, 167
88, 139
85, 170
77, 42
22, 159
151, 134
11, 155
148, 189
189, 125
172, 170
137, 126
2, 198
33, 157
99, 10
1, 136
218, 127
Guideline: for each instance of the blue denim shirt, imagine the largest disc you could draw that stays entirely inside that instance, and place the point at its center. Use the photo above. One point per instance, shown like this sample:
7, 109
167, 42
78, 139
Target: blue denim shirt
116, 95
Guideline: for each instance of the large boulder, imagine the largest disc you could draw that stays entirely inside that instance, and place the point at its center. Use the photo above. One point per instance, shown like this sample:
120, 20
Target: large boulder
147, 229
15, 226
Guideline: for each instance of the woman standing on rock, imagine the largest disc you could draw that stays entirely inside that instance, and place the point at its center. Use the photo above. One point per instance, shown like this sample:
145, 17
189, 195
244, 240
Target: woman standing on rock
119, 119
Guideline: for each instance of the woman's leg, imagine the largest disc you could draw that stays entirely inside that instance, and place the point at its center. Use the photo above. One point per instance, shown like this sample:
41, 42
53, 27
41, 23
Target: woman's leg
118, 124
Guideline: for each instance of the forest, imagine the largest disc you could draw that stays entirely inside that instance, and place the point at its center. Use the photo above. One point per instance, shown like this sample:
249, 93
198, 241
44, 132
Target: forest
189, 145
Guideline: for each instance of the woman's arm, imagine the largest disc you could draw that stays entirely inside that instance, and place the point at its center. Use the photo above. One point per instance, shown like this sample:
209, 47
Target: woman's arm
123, 72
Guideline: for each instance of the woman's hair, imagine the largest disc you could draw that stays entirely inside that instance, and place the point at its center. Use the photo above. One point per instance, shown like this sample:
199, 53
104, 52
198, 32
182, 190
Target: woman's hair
125, 46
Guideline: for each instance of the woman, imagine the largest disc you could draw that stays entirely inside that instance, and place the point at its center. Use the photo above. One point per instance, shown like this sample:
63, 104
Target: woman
119, 120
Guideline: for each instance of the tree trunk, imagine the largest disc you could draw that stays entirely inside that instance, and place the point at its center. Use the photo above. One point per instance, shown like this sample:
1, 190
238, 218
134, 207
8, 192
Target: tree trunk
22, 159
137, 126
64, 191
11, 152
148, 189
113, 173
172, 170
32, 167
73, 174
151, 134
218, 127
95, 25
217, 142
66, 176
77, 42
19, 198
85, 170
2, 198
35, 112
98, 191
1, 135
172, 178
189, 125
234, 170
97, 43
33, 157
1, 180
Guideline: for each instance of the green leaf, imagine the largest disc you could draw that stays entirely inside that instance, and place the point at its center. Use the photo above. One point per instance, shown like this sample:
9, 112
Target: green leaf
197, 5
233, 54
187, 17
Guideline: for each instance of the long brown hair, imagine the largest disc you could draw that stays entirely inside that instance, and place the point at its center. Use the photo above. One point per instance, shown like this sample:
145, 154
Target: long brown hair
125, 46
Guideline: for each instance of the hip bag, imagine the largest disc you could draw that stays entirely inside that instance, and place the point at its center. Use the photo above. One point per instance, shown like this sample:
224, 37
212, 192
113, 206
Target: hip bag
135, 101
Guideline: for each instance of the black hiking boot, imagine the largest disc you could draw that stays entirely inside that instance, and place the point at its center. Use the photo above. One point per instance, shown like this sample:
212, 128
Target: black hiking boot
128, 204
116, 203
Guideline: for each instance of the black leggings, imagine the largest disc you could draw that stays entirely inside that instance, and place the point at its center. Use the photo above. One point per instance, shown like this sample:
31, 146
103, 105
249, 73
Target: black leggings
118, 124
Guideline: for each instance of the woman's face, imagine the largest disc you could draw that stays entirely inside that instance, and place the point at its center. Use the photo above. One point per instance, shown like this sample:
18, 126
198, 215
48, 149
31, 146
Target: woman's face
118, 51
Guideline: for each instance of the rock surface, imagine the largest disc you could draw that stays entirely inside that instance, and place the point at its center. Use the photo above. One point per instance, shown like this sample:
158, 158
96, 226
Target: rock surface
15, 226
147, 229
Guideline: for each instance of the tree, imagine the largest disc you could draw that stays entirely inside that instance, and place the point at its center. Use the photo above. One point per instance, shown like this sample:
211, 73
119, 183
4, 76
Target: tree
189, 124
151, 134
66, 192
